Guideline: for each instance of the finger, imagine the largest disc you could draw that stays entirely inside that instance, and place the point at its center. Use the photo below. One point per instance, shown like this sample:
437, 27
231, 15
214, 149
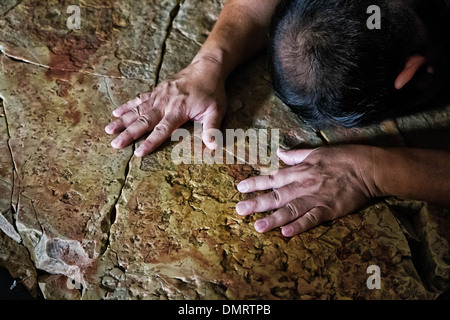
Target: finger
290, 212
211, 125
125, 120
272, 200
293, 157
140, 126
264, 182
160, 133
309, 220
132, 104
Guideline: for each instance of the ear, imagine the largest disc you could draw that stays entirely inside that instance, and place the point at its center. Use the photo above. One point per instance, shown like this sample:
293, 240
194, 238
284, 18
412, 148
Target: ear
413, 64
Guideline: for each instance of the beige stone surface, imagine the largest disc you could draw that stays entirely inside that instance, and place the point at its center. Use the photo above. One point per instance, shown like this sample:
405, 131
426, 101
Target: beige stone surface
80, 220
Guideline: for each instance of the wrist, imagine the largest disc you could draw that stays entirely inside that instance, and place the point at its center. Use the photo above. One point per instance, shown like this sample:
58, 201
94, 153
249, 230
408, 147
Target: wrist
216, 59
390, 169
209, 67
379, 162
370, 162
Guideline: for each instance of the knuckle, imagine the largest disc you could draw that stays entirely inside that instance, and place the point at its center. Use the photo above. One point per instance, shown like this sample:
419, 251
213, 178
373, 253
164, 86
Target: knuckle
271, 178
292, 210
276, 197
329, 215
253, 204
137, 111
312, 218
308, 182
125, 136
137, 100
161, 128
144, 119
272, 221
164, 85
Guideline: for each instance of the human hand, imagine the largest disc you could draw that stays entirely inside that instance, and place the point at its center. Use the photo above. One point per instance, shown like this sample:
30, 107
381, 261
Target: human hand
196, 93
320, 185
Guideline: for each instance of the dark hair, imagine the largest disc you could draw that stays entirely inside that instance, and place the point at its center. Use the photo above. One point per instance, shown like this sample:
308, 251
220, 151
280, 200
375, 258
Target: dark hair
328, 66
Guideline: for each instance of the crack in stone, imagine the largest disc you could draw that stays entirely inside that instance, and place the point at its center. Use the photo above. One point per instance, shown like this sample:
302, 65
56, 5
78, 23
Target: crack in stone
4, 181
113, 212
30, 254
187, 36
23, 60
402, 135
10, 9
14, 169
36, 215
16, 178
172, 15
108, 90
8, 133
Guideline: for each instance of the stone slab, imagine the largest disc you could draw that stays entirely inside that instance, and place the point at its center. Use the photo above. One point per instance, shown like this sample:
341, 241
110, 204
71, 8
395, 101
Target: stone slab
96, 223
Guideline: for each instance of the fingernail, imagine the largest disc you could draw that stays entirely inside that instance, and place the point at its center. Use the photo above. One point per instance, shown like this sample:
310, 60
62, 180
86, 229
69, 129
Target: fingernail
115, 113
116, 143
138, 152
287, 231
110, 127
242, 186
261, 225
242, 208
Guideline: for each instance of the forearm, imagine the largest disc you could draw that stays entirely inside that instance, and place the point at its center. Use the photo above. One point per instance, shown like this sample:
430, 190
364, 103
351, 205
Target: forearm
418, 174
240, 33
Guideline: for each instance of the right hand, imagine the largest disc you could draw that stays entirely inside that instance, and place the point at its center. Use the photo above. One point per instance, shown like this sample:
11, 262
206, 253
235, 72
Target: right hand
321, 184
196, 93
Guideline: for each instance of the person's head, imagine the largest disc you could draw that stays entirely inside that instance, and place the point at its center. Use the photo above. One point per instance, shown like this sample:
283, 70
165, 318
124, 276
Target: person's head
329, 66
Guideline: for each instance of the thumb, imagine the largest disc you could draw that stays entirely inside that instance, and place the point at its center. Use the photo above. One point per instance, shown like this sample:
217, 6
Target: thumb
211, 125
293, 156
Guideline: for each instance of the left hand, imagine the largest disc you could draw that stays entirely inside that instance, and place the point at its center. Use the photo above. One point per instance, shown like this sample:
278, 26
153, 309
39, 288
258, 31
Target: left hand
321, 185
195, 93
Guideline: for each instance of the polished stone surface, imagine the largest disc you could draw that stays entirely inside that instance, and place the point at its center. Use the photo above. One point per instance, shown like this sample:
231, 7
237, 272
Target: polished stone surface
80, 220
